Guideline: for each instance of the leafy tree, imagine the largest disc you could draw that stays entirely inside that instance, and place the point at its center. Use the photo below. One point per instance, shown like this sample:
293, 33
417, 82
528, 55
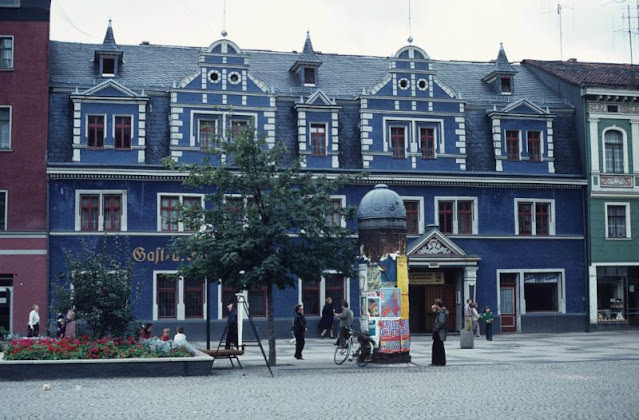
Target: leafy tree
268, 222
99, 287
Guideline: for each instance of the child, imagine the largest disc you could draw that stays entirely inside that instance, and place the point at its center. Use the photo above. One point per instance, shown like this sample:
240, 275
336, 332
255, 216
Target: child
488, 317
179, 337
165, 334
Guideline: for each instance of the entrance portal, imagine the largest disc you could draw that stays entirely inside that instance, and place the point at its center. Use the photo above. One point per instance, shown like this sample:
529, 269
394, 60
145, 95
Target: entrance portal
421, 297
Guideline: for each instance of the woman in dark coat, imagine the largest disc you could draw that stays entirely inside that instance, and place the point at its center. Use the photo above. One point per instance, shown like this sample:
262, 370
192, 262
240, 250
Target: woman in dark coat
231, 326
299, 330
326, 322
439, 333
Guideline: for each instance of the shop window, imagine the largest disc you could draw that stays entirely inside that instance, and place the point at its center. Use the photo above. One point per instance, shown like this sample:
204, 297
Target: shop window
193, 298
512, 144
257, 301
541, 292
311, 298
95, 131
166, 296
101, 211
5, 127
611, 286
122, 127
334, 288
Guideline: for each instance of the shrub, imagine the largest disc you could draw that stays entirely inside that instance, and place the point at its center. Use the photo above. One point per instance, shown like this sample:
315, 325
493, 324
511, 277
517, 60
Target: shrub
85, 348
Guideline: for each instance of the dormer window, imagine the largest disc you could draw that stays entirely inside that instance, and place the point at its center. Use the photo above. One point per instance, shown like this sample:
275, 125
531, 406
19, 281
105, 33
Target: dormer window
506, 85
107, 64
309, 76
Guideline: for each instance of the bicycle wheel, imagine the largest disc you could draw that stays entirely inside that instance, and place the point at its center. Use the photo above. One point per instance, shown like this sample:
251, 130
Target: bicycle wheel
365, 354
342, 352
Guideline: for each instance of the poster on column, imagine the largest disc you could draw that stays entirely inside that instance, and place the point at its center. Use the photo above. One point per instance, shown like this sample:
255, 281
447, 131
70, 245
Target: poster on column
390, 300
402, 283
389, 336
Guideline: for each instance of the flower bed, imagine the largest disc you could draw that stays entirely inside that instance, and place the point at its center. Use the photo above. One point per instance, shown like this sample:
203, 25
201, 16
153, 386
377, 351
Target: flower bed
86, 348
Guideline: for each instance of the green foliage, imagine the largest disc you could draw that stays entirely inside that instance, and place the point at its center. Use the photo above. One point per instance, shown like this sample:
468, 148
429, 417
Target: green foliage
102, 277
267, 223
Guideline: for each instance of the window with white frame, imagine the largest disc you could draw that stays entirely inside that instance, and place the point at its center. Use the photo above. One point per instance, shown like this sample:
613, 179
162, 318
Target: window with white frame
533, 141
456, 215
257, 300
414, 214
512, 144
543, 291
334, 216
170, 207
6, 52
122, 129
101, 210
398, 141
534, 217
427, 142
317, 136
314, 294
5, 127
95, 131
3, 210
618, 220
207, 134
175, 297
614, 152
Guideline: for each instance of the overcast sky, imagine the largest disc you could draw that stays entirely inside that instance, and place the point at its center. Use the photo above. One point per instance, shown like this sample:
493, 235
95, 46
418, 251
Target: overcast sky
593, 30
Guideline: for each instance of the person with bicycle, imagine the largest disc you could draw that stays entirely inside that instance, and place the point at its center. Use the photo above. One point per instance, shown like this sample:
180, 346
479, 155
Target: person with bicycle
345, 322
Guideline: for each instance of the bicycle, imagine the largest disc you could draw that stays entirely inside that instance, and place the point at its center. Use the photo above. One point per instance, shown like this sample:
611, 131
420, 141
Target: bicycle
362, 350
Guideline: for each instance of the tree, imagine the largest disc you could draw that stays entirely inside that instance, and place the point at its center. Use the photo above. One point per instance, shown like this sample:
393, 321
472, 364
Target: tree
268, 223
99, 287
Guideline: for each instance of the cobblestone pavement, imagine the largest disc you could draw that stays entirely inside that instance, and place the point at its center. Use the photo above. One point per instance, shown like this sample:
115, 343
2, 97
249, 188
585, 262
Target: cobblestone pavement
578, 382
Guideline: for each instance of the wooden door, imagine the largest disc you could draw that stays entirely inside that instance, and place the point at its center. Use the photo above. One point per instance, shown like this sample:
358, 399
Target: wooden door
508, 307
446, 293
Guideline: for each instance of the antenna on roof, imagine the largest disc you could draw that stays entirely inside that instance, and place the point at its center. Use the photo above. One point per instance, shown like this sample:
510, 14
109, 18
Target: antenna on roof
410, 24
224, 33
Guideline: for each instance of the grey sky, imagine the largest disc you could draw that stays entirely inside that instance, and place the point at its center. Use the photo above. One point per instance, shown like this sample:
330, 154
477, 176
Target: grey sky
593, 30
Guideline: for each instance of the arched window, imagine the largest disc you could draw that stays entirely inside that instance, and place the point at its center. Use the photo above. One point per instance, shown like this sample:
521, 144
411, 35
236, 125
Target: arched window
613, 149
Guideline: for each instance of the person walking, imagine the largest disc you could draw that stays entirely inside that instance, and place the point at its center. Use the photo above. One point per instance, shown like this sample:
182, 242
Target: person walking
299, 330
326, 322
33, 326
345, 322
231, 326
474, 318
440, 331
488, 318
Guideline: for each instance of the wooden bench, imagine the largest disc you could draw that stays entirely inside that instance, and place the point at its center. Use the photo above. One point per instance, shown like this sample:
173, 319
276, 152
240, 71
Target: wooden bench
226, 353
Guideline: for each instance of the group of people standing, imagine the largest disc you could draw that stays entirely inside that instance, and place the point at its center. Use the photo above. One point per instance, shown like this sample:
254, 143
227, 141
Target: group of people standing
472, 318
325, 325
65, 324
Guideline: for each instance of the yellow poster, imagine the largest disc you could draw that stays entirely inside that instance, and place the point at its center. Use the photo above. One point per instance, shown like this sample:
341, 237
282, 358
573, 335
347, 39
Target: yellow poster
402, 283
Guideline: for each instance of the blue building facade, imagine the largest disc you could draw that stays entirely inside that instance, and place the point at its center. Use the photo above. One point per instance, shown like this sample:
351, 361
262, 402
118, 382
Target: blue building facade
483, 154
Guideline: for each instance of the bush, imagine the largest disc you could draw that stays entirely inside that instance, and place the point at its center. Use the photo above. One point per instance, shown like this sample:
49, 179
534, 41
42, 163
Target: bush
85, 348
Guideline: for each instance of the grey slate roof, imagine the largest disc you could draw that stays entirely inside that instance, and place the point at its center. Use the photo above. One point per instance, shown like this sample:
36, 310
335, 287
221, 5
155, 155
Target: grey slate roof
340, 76
584, 74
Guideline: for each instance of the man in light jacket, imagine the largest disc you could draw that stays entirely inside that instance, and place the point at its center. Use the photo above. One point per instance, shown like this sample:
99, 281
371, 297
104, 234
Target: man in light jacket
34, 322
345, 322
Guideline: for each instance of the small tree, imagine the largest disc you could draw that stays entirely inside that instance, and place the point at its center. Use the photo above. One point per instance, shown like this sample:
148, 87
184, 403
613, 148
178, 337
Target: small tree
99, 287
269, 222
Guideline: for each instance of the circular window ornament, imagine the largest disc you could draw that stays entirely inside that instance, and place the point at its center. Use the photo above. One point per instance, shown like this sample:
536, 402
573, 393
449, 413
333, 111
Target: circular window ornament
422, 84
234, 78
214, 76
404, 83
